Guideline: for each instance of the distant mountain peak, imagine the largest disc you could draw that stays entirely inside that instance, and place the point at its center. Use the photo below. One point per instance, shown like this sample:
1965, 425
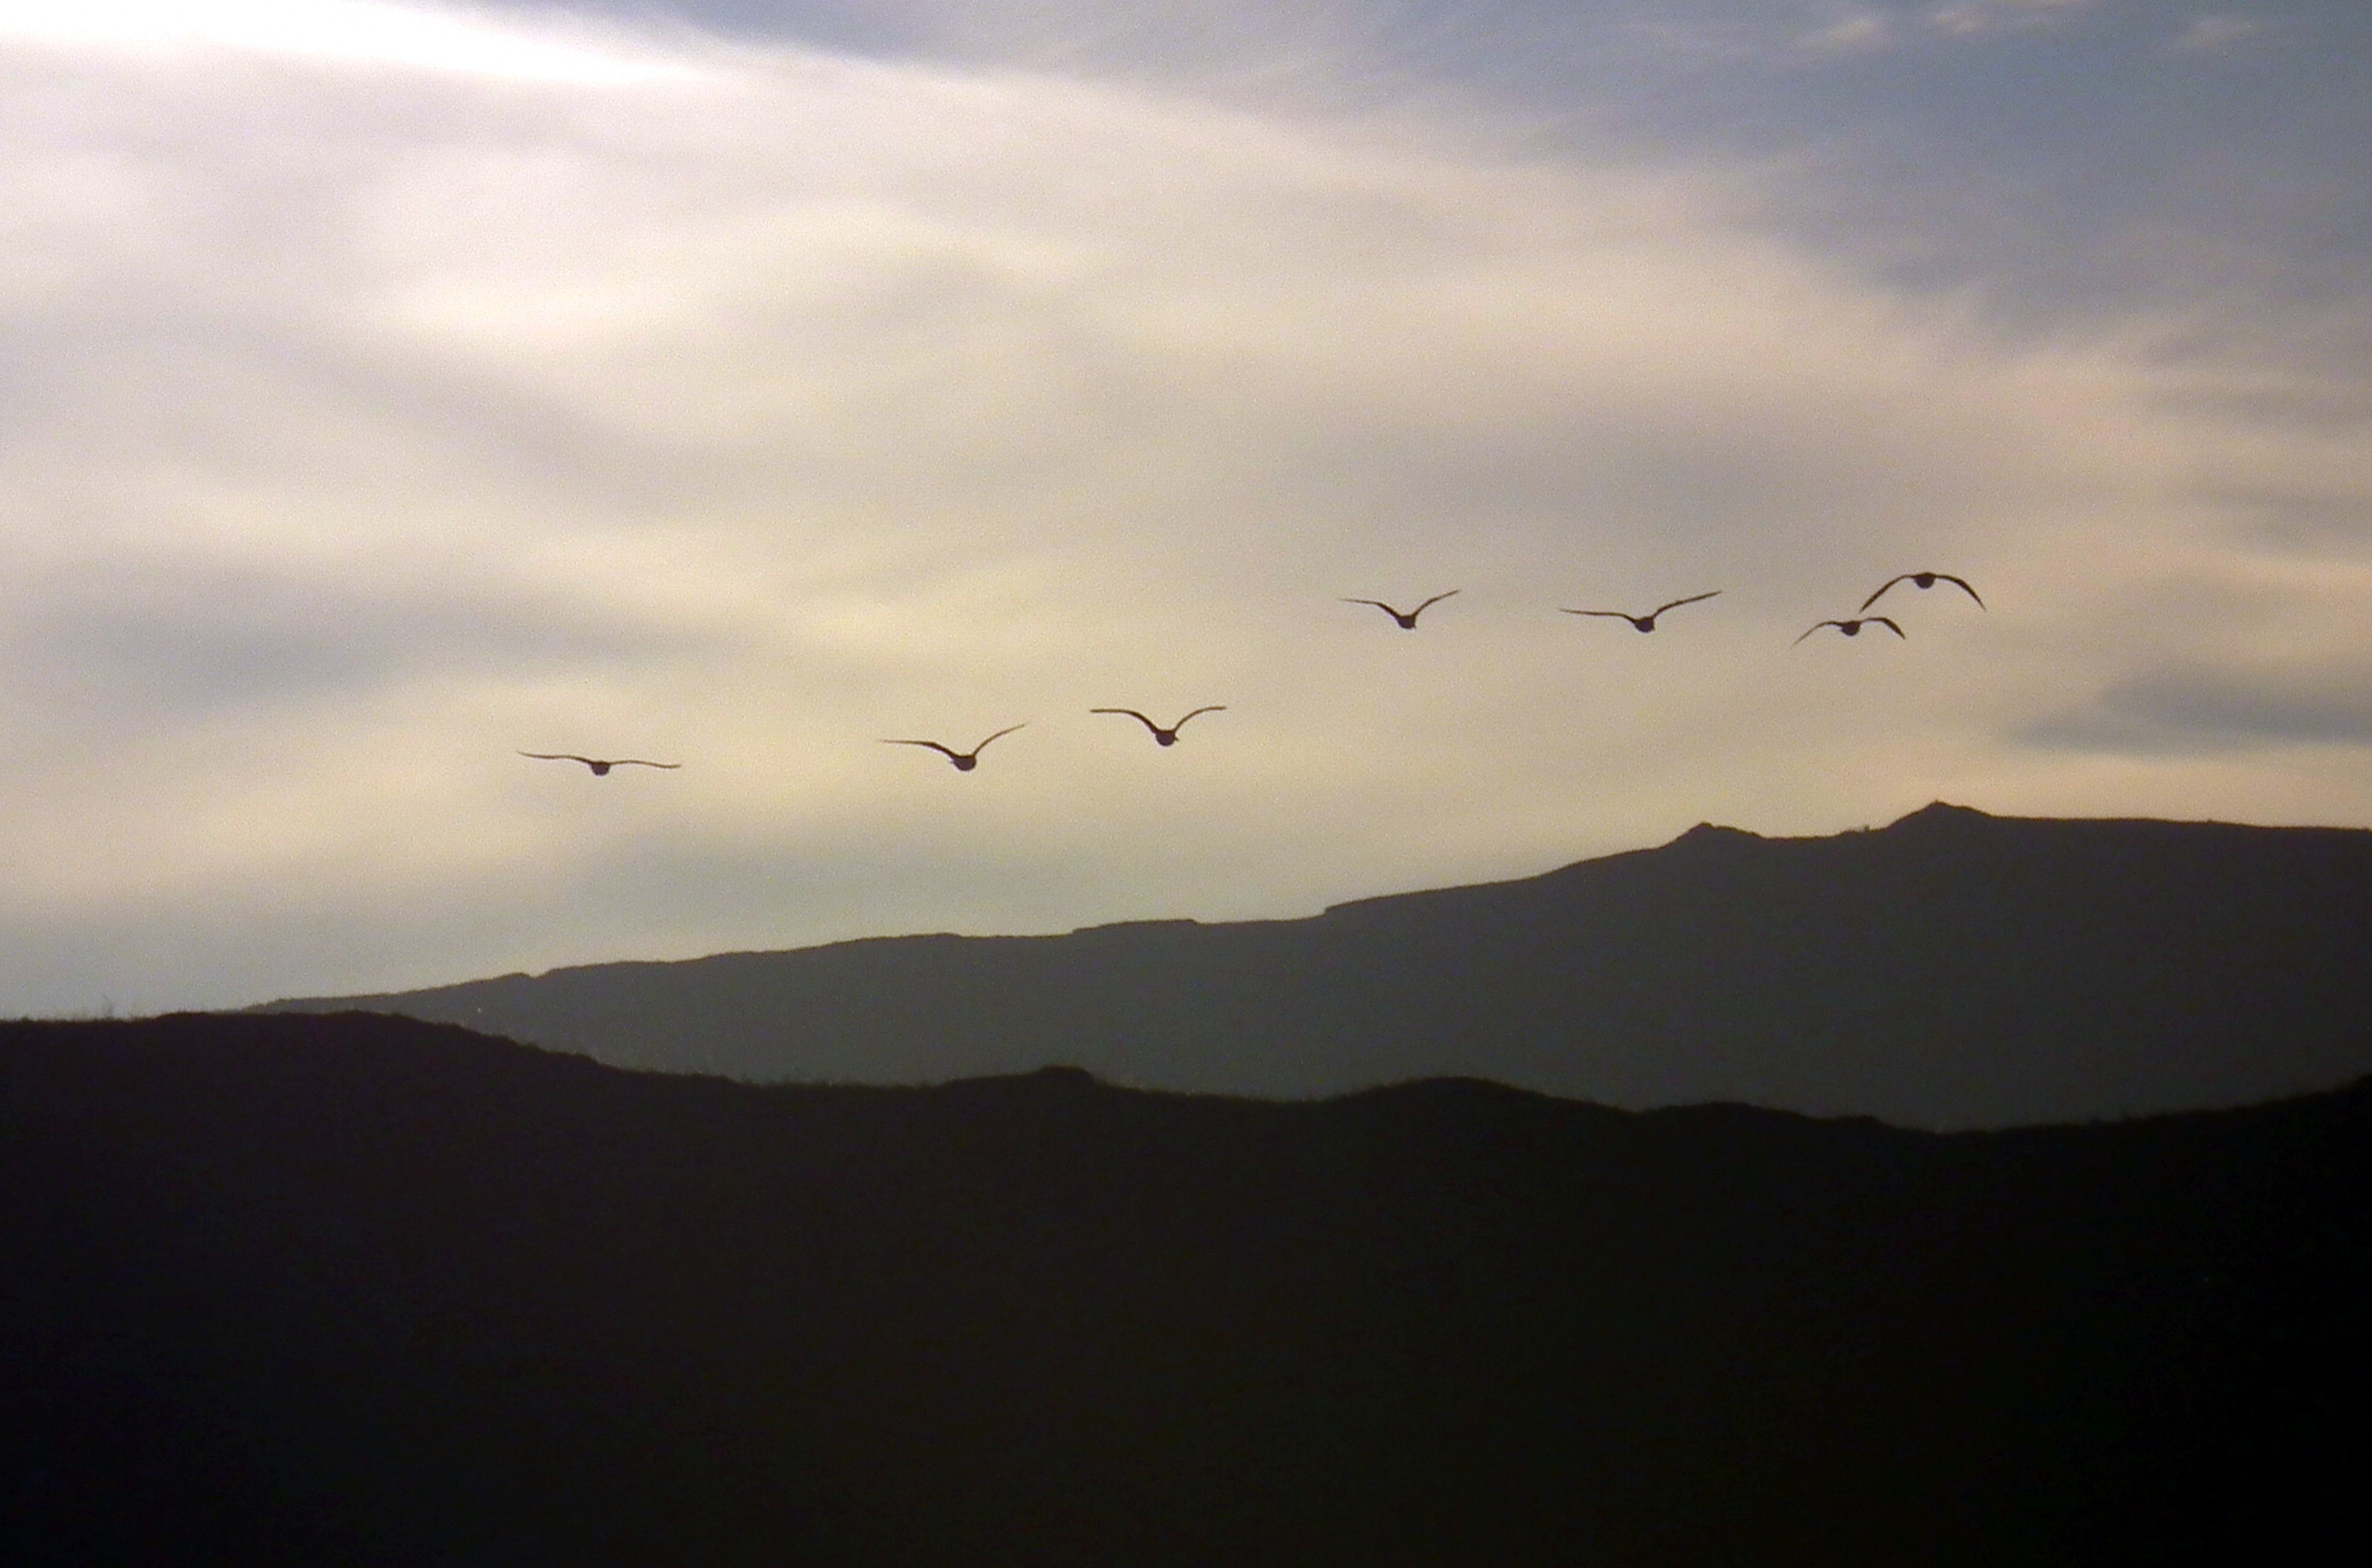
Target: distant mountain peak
1941, 813
1935, 814
1714, 834
1053, 1078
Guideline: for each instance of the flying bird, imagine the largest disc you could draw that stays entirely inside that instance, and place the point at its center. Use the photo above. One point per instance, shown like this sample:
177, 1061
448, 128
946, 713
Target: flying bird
1162, 736
1645, 623
965, 762
1407, 619
600, 765
1924, 580
1852, 628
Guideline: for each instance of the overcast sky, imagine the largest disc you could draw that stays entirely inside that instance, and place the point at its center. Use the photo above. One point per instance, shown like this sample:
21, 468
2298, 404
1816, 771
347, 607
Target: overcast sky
390, 387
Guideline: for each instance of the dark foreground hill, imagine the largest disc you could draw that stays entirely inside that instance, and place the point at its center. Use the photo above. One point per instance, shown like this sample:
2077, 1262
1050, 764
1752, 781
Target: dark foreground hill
1954, 969
364, 1291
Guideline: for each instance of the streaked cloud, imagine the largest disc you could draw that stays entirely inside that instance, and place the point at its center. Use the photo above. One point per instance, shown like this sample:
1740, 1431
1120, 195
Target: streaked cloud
2217, 32
156, 642
370, 417
1849, 31
2301, 516
368, 32
1968, 17
2207, 710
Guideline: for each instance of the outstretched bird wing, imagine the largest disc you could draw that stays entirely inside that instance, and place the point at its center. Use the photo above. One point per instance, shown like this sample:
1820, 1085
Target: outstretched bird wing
1676, 604
1814, 627
947, 751
1882, 621
1883, 586
1428, 604
641, 763
558, 757
1614, 614
1130, 713
1008, 729
1379, 604
1213, 708
1961, 584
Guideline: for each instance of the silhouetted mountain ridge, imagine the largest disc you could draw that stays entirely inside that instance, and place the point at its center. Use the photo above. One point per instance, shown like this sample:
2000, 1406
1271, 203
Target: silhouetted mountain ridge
361, 1290
1952, 970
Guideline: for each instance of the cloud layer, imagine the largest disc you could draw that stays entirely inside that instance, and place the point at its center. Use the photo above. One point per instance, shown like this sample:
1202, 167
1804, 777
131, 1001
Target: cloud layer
386, 398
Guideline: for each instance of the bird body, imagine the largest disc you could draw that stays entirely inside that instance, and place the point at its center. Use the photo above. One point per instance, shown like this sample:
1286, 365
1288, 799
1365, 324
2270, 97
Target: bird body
1406, 619
1162, 736
1852, 628
1645, 623
964, 762
1924, 580
600, 765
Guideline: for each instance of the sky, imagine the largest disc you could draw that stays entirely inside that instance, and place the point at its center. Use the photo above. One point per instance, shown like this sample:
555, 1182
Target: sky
390, 387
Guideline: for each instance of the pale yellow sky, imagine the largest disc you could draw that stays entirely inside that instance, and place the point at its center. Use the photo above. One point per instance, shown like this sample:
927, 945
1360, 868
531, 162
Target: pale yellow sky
391, 388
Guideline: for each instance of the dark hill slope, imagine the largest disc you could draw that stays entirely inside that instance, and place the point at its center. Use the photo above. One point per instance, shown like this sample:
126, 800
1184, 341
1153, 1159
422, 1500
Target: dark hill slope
363, 1291
1954, 969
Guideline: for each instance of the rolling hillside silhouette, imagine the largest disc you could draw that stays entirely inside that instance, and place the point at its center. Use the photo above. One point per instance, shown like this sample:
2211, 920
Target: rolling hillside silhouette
361, 1290
1954, 969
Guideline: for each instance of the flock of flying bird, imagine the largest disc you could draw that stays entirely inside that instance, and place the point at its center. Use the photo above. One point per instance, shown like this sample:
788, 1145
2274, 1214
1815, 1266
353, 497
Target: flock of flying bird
1167, 734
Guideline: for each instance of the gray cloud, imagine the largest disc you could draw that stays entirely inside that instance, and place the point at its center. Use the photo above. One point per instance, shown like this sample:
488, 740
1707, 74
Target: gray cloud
2196, 711
141, 644
580, 387
2217, 31
2298, 518
2068, 157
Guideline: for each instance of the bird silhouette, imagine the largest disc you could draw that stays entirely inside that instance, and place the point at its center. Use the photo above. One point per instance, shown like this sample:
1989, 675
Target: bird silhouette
1407, 619
1924, 580
965, 762
1645, 623
1852, 628
600, 765
1160, 736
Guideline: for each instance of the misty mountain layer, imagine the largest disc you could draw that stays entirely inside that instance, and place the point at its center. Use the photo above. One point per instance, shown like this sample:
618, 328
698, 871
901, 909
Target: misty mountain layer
364, 1291
1954, 969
